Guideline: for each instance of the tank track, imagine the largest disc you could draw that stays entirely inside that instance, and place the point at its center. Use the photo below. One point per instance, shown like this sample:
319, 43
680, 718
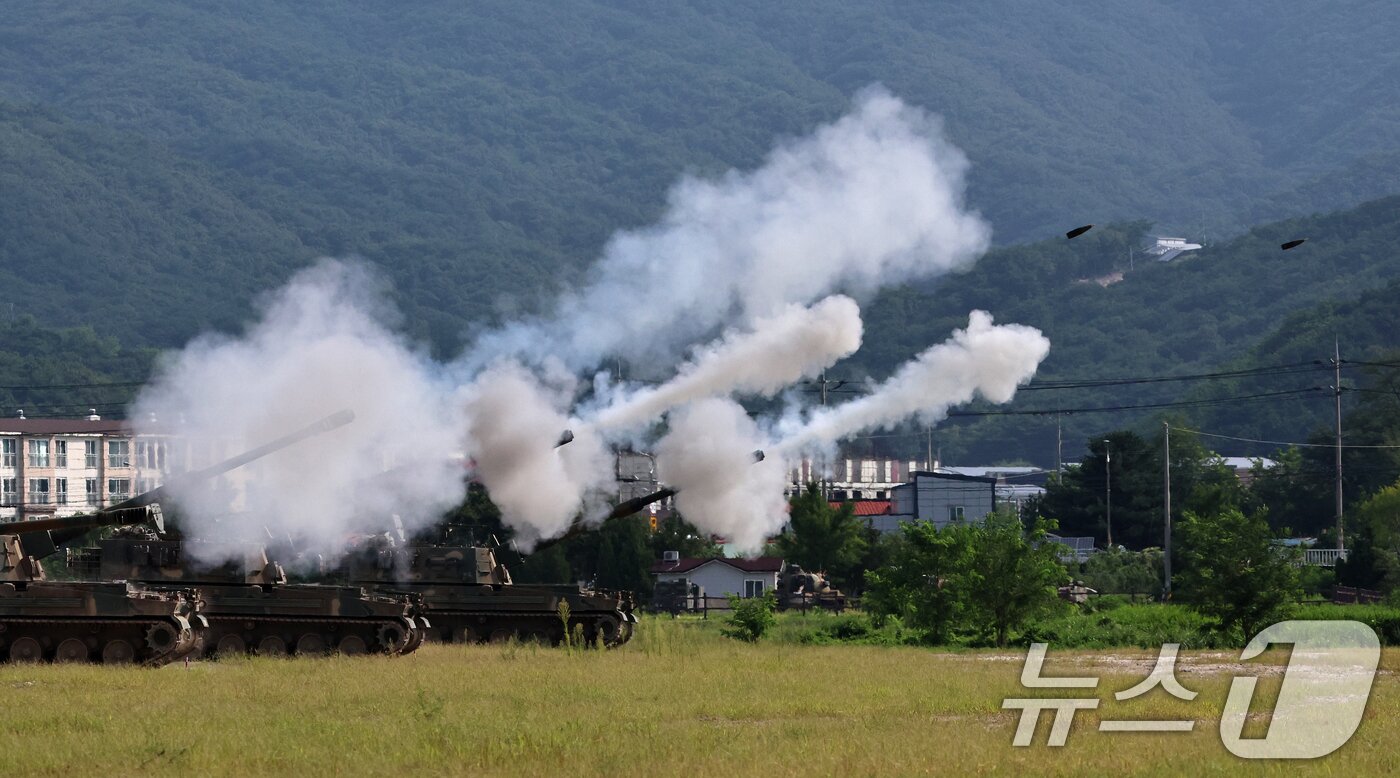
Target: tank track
150, 642
233, 634
497, 626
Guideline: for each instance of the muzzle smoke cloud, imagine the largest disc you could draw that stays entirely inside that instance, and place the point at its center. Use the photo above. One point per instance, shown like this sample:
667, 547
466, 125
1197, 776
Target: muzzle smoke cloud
322, 344
707, 457
871, 199
780, 350
985, 359
749, 259
513, 426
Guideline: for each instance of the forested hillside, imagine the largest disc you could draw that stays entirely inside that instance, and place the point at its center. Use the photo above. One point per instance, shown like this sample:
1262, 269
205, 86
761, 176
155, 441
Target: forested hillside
1239, 305
164, 162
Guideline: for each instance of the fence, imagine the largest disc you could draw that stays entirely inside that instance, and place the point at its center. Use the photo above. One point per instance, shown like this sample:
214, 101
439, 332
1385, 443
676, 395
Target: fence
1323, 557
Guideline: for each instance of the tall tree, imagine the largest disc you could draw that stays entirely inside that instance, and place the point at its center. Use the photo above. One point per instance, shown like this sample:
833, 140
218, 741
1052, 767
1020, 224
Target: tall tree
822, 538
1233, 573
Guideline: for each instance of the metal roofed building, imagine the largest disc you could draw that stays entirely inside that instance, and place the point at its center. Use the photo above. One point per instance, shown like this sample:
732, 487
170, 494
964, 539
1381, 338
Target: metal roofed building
940, 498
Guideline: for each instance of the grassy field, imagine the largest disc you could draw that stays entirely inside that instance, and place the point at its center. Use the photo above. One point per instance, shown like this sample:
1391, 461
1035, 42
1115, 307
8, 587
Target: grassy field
678, 698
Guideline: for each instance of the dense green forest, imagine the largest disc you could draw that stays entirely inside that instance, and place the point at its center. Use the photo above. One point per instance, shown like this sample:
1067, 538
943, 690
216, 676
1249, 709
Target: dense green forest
164, 162
1239, 305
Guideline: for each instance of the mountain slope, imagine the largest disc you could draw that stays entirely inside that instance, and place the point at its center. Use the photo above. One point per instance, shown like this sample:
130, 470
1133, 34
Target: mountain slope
1240, 304
483, 154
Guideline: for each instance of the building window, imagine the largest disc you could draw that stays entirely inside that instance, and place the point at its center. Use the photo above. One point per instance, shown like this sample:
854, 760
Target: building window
90, 454
60, 491
90, 490
8, 448
955, 513
38, 453
868, 471
39, 491
119, 453
60, 453
753, 588
8, 494
118, 489
149, 454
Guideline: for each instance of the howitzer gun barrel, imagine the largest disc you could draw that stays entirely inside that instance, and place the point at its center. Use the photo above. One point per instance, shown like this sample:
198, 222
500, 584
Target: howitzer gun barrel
623, 510
327, 424
43, 537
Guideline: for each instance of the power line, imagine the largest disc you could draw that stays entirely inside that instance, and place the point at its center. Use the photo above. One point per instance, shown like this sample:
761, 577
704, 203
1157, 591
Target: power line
1276, 442
1143, 406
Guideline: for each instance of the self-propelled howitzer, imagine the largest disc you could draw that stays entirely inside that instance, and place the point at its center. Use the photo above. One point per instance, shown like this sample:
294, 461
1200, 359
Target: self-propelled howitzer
243, 594
469, 597
87, 621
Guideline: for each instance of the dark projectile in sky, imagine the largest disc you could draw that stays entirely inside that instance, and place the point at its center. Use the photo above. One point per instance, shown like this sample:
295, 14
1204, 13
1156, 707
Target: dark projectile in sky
1077, 231
1293, 244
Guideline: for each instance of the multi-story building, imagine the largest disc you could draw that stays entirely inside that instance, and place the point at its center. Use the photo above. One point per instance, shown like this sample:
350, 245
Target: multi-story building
65, 467
854, 479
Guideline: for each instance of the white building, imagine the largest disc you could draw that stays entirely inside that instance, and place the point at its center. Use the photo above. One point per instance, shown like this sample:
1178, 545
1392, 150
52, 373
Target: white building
1166, 249
721, 577
854, 479
67, 467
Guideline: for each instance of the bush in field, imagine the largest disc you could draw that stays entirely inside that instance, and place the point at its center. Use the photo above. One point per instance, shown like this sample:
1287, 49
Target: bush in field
751, 617
1233, 573
985, 579
1115, 571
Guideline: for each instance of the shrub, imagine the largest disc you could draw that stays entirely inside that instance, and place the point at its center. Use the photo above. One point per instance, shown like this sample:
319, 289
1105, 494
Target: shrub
751, 617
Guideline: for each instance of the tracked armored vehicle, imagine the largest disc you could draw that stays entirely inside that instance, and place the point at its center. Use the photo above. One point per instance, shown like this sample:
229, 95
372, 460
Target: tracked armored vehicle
243, 595
249, 605
468, 596
74, 621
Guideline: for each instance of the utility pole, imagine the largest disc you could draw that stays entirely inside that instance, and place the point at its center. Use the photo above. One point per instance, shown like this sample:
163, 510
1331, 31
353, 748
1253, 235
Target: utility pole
1059, 446
1166, 511
1337, 399
1108, 489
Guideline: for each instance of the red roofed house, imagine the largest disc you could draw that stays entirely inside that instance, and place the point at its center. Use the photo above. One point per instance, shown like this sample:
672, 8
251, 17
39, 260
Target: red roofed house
719, 577
867, 507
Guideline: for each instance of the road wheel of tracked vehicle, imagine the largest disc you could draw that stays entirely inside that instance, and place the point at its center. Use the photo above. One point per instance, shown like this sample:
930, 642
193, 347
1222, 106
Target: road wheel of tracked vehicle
161, 637
311, 644
230, 645
626, 632
272, 646
26, 650
465, 635
352, 645
118, 652
607, 630
71, 650
392, 638
502, 635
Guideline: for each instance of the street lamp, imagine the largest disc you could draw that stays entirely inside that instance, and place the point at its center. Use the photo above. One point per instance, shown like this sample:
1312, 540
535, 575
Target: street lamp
1108, 488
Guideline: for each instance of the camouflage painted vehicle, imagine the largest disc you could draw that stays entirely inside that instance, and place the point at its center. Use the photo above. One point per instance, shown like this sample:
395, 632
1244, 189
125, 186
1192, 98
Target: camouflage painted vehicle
65, 621
800, 589
243, 595
250, 607
469, 597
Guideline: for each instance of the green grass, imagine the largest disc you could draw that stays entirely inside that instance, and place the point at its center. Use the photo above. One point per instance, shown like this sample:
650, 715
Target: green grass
679, 698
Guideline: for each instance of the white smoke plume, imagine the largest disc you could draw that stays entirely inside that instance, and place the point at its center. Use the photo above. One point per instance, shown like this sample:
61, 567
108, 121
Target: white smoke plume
873, 198
514, 425
708, 458
779, 350
322, 345
985, 359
